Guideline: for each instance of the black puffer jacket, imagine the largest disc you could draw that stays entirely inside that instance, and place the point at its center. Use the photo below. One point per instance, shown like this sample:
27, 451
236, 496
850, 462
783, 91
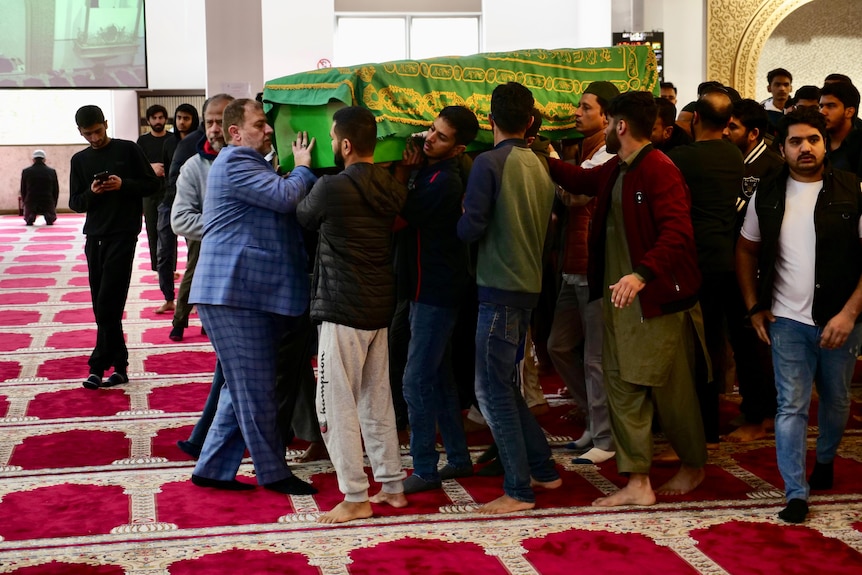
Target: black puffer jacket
354, 284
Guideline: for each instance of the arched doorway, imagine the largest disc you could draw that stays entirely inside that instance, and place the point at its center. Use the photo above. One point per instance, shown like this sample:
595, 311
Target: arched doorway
736, 33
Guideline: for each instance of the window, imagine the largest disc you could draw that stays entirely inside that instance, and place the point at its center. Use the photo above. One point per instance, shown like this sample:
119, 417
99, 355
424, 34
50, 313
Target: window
361, 39
433, 37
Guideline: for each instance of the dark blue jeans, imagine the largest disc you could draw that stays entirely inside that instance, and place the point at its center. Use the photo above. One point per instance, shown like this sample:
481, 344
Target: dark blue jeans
166, 260
199, 433
523, 448
429, 389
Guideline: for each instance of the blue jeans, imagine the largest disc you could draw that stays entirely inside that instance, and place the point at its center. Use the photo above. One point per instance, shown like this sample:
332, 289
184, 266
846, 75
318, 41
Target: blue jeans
166, 254
429, 389
799, 361
199, 433
523, 448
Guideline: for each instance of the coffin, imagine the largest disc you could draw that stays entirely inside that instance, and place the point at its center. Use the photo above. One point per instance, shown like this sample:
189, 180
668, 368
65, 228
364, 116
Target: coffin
406, 95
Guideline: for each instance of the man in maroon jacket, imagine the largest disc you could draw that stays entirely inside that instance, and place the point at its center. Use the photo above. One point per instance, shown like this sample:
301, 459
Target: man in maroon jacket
642, 248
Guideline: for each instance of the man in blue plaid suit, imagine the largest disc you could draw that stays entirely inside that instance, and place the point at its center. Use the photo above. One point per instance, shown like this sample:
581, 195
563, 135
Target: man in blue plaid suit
250, 287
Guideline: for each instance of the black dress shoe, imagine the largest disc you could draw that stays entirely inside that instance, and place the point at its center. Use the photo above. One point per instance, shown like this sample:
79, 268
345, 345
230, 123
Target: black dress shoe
176, 334
292, 485
232, 485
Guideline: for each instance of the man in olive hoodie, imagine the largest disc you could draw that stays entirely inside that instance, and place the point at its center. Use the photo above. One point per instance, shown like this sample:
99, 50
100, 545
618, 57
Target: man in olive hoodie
353, 299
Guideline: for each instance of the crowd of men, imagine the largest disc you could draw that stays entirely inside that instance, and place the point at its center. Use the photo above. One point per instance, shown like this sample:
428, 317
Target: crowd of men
675, 234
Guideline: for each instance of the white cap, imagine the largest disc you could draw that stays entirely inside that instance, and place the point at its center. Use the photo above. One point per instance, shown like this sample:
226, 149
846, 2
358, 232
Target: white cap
39, 154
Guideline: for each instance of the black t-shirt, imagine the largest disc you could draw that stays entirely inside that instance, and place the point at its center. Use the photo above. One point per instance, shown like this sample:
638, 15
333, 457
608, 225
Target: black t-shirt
713, 171
153, 147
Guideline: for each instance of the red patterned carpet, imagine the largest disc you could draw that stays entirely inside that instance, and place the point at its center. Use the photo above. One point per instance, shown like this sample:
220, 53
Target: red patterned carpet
91, 482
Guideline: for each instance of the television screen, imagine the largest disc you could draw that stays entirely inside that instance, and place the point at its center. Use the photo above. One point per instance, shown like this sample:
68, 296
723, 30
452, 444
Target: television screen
72, 44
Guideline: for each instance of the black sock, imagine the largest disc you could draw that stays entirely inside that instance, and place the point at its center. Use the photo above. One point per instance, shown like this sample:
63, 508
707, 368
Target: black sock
493, 469
795, 512
232, 485
292, 485
822, 477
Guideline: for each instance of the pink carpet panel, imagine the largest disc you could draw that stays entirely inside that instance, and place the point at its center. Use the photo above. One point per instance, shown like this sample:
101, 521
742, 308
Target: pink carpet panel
92, 482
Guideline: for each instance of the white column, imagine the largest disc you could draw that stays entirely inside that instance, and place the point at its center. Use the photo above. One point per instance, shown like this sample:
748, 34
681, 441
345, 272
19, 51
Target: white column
234, 47
684, 24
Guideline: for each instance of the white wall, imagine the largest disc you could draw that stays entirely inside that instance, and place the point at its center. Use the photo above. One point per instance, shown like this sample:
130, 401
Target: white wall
814, 40
684, 25
296, 35
513, 25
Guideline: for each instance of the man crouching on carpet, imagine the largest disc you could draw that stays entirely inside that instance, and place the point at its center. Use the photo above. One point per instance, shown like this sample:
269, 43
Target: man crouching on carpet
642, 248
354, 299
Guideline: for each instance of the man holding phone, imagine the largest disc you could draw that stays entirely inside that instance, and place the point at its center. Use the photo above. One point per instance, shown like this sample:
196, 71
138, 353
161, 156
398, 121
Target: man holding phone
108, 182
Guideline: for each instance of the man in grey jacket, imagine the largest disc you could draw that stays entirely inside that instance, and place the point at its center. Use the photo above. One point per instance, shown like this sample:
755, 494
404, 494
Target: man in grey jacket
187, 221
187, 210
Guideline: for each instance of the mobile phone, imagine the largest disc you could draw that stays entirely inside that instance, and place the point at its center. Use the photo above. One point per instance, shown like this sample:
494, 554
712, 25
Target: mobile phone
102, 176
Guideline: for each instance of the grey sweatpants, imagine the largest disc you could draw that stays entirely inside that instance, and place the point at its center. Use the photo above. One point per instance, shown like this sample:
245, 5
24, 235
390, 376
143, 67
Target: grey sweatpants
354, 403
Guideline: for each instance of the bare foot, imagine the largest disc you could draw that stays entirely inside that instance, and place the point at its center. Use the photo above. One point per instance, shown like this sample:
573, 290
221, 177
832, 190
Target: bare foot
539, 410
316, 450
747, 432
638, 491
470, 426
666, 456
403, 437
546, 484
396, 500
347, 511
685, 480
504, 504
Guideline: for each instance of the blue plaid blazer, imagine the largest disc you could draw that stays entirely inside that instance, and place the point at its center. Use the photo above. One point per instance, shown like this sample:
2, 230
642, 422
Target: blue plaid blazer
252, 254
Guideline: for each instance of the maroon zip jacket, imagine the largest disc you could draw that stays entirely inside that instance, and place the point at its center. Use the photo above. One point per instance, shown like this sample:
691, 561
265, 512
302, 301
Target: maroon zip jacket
657, 219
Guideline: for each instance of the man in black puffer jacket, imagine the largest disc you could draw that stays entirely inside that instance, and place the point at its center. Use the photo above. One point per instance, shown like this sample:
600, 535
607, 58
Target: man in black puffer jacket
354, 298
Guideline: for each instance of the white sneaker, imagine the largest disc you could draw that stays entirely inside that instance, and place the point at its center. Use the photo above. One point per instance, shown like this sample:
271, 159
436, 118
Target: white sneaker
593, 456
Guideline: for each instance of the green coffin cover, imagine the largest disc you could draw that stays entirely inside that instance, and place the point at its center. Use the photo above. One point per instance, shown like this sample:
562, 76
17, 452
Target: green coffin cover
406, 95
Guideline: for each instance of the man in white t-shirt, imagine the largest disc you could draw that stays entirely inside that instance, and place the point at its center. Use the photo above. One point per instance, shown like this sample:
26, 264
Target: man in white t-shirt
803, 237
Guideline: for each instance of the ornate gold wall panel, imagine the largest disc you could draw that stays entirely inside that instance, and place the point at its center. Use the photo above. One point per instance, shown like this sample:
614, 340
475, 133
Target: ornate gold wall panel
736, 31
